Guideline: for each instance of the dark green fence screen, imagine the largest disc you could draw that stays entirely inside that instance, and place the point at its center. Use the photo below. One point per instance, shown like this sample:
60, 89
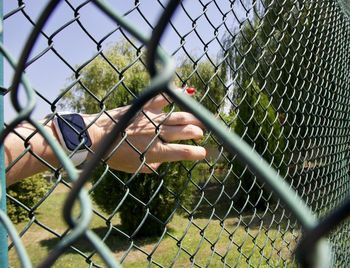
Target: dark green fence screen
272, 89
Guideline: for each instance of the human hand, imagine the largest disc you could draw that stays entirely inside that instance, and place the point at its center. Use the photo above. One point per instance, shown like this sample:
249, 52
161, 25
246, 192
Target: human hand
141, 137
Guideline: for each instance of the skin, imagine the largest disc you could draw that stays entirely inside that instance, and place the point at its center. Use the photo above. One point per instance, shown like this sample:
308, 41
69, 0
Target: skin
179, 126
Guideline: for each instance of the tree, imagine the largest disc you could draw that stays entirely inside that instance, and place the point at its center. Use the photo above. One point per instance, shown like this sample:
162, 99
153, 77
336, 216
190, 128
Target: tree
258, 123
276, 50
112, 80
279, 49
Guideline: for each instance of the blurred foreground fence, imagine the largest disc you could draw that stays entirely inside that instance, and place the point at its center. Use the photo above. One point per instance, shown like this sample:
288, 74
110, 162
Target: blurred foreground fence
273, 74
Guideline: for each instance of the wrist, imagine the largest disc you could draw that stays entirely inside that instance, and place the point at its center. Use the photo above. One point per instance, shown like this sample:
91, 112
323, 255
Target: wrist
100, 125
72, 133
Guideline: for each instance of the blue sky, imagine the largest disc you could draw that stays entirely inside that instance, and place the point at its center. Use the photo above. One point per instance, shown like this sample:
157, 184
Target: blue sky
49, 74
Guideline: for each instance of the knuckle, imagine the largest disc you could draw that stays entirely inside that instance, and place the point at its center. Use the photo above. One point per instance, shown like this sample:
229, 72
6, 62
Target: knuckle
186, 152
155, 166
156, 152
181, 117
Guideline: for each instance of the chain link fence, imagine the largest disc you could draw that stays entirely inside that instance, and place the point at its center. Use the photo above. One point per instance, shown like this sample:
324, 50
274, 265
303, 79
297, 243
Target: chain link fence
274, 73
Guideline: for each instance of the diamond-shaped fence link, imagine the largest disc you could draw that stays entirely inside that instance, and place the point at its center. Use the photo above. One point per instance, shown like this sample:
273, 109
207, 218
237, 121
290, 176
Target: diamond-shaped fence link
274, 78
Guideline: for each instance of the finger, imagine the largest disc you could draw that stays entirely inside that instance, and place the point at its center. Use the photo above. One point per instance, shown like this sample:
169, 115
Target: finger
183, 118
180, 133
162, 100
179, 152
158, 103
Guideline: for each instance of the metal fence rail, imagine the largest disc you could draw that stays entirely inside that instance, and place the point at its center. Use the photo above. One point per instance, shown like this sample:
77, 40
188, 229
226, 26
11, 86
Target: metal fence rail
274, 78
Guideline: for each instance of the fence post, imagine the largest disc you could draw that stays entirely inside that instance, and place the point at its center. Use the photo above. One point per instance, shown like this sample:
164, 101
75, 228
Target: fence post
3, 232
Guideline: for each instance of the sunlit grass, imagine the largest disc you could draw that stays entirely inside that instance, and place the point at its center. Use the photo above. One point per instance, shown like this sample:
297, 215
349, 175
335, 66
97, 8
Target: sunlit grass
200, 241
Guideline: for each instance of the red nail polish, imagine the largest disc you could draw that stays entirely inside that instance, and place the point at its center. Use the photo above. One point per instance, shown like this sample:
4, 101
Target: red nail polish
191, 90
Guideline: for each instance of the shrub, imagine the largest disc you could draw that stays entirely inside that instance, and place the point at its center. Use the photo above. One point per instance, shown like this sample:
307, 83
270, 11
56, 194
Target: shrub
161, 201
27, 191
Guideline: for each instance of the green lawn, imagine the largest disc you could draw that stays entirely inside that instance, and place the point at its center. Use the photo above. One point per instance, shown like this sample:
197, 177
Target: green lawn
254, 245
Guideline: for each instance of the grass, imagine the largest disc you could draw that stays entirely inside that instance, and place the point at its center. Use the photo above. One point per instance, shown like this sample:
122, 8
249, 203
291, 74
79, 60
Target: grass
202, 241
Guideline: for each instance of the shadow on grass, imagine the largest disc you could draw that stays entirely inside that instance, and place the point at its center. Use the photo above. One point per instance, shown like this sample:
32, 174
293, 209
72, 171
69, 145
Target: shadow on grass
215, 201
115, 241
225, 202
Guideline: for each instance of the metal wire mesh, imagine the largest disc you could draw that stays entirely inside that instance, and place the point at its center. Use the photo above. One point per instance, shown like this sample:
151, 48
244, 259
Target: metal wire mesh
274, 72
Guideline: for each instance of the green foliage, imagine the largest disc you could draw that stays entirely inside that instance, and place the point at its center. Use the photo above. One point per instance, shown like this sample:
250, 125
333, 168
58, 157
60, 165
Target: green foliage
162, 194
258, 123
272, 50
208, 79
275, 56
278, 52
28, 191
110, 80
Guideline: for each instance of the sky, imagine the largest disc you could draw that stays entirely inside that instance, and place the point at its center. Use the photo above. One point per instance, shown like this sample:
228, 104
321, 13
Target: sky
49, 75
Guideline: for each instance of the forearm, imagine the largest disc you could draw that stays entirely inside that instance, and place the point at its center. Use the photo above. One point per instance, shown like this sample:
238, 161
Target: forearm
152, 135
23, 159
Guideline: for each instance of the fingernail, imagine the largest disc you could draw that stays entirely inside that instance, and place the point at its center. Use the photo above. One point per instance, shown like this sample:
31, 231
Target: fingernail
191, 90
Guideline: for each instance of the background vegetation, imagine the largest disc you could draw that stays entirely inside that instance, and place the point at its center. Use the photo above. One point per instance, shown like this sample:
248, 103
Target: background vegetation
28, 192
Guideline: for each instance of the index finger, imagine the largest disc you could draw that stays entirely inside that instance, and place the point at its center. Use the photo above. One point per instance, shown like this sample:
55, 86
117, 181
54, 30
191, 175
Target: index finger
158, 103
162, 100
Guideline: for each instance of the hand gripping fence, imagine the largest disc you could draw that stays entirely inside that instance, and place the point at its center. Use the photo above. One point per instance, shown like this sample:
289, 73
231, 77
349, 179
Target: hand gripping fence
274, 188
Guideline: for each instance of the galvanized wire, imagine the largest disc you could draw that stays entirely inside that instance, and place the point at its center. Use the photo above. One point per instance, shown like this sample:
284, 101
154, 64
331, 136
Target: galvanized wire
278, 82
